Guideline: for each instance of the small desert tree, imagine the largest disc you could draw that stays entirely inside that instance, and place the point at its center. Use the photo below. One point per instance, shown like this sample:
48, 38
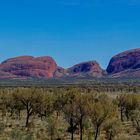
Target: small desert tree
46, 107
60, 100
121, 101
112, 128
131, 103
30, 98
4, 102
101, 110
82, 104
135, 118
70, 112
133, 107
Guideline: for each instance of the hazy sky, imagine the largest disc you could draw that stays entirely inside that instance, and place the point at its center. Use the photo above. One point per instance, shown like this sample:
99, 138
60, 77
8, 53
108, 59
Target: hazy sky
70, 31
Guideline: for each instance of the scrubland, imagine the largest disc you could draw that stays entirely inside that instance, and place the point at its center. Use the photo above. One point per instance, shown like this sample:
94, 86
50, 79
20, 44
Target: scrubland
69, 113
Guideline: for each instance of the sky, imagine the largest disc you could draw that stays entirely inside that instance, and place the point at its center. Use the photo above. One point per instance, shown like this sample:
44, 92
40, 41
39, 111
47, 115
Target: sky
71, 31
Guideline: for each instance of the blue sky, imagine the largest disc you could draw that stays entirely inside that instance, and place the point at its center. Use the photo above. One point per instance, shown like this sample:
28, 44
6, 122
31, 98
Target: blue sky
70, 31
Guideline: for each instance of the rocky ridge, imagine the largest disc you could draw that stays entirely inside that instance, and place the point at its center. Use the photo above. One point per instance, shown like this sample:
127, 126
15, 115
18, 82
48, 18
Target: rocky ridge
125, 64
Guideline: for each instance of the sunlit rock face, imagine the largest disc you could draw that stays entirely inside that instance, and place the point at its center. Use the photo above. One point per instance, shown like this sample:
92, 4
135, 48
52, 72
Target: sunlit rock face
28, 66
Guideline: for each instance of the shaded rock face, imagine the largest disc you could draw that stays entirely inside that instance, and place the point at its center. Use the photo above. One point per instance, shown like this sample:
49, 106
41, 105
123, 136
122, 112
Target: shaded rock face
60, 72
90, 68
125, 63
28, 66
7, 75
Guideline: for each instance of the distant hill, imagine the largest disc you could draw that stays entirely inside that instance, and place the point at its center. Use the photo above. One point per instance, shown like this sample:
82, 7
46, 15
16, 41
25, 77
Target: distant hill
125, 64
